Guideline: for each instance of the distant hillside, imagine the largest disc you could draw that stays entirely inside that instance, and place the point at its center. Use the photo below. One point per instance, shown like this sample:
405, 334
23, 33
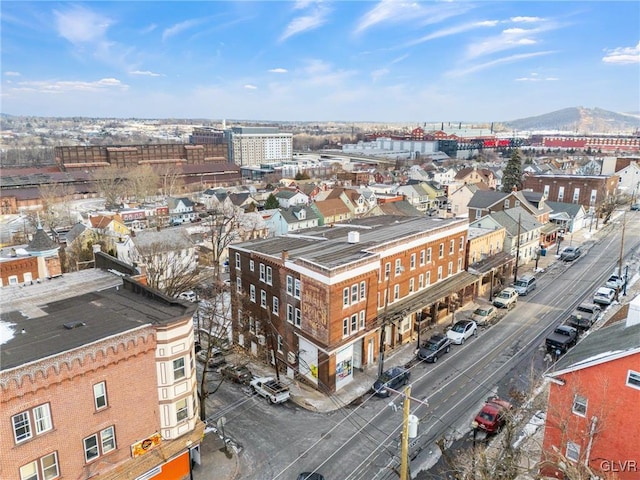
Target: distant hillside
579, 120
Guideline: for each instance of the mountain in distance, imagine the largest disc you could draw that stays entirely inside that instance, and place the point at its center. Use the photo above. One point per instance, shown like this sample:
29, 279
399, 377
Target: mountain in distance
579, 120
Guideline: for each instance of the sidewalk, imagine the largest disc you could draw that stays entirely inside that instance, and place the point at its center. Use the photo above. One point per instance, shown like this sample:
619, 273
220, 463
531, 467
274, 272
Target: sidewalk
217, 464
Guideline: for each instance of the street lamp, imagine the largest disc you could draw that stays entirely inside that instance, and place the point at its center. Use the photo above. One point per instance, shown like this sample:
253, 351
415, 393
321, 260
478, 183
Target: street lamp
560, 238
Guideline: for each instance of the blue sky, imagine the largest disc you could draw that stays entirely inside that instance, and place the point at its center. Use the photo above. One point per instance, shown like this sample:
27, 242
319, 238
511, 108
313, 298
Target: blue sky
384, 61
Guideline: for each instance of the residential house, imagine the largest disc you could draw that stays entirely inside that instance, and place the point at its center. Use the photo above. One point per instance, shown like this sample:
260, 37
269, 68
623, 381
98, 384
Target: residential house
291, 198
460, 197
487, 259
474, 175
445, 176
325, 297
594, 400
629, 176
571, 217
484, 202
180, 210
243, 201
290, 220
97, 379
332, 210
522, 238
417, 195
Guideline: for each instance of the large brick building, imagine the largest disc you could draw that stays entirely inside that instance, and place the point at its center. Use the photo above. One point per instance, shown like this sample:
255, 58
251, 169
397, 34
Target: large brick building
591, 428
97, 379
317, 303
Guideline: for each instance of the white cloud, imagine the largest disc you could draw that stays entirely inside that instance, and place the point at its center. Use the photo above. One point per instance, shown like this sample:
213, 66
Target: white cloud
12, 74
535, 77
508, 39
248, 86
181, 27
72, 86
499, 61
413, 13
146, 73
445, 32
278, 70
80, 25
302, 4
623, 55
305, 23
381, 72
525, 19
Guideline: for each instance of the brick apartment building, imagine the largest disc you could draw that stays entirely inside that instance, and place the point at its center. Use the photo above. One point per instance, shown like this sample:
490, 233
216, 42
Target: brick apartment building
317, 303
97, 379
590, 191
591, 428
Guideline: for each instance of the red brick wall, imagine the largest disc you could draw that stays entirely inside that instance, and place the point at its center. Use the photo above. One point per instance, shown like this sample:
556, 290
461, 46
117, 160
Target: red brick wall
18, 266
130, 376
617, 408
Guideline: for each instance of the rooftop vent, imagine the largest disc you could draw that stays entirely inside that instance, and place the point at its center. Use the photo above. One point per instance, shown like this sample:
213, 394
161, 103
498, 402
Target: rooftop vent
72, 325
354, 237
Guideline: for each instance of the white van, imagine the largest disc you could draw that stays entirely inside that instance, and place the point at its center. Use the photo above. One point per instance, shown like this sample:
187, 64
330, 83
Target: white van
525, 284
190, 296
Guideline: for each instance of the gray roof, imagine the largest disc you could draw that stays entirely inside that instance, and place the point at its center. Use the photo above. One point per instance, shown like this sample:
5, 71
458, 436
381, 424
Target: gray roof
509, 219
329, 246
571, 209
169, 239
607, 342
289, 214
285, 194
486, 198
41, 242
104, 313
75, 232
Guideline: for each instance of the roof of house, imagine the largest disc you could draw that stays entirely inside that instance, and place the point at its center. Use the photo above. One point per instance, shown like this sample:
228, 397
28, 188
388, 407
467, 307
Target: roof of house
74, 232
486, 198
41, 242
331, 206
173, 202
401, 207
167, 239
289, 214
39, 331
511, 217
571, 209
286, 194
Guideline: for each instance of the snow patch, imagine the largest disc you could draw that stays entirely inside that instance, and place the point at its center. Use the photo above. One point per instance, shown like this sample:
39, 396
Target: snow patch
6, 332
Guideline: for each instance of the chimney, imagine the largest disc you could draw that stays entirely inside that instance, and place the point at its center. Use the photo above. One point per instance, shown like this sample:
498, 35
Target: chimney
285, 255
633, 316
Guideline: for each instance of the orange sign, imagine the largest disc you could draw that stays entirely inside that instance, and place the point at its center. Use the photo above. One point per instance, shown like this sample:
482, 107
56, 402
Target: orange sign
143, 446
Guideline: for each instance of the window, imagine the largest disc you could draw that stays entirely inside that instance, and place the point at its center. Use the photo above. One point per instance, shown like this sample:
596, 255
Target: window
412, 261
506, 203
461, 244
354, 322
239, 285
345, 297
289, 313
100, 395
276, 306
252, 325
280, 342
633, 379
298, 320
576, 195
108, 440
289, 284
262, 274
428, 279
269, 275
363, 291
398, 267
91, 448
429, 254
441, 250
573, 451
21, 426
48, 467
178, 368
387, 270
396, 292
182, 409
450, 269
459, 265
263, 299
252, 293
411, 285
345, 327
252, 265
422, 256
354, 293
296, 288
561, 194
440, 272
452, 246
238, 261
579, 405
42, 418
420, 281
362, 319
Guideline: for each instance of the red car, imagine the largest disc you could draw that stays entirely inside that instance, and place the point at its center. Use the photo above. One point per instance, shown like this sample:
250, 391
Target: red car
493, 415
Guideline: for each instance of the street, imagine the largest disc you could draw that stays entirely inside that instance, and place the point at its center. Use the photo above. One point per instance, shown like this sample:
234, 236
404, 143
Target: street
362, 441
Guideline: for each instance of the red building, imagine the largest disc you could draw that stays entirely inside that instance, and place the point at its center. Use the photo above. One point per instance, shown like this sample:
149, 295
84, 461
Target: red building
592, 428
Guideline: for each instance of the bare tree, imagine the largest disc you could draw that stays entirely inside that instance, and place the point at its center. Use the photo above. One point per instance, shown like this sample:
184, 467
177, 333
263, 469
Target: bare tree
111, 184
171, 180
143, 182
55, 198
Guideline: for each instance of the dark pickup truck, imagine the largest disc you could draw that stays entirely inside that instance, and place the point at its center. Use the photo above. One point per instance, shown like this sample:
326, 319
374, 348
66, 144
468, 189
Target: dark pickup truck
563, 338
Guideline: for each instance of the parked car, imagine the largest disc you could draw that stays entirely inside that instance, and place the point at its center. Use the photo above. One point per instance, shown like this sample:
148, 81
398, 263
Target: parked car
310, 476
604, 296
461, 331
562, 338
525, 285
216, 359
584, 315
433, 348
493, 415
507, 298
391, 379
484, 315
616, 282
635, 207
569, 254
189, 296
236, 373
271, 389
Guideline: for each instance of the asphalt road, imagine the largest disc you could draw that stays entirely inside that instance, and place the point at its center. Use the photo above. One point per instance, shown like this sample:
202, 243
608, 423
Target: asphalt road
362, 441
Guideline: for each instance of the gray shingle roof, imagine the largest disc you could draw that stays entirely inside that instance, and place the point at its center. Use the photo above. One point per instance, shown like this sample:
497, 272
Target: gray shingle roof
571, 209
509, 220
41, 242
486, 198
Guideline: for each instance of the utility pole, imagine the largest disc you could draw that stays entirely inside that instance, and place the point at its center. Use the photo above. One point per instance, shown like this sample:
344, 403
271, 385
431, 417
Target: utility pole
404, 451
515, 270
624, 223
383, 327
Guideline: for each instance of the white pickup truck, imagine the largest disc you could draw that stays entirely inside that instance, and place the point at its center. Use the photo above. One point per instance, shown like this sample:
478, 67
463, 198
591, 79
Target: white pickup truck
273, 391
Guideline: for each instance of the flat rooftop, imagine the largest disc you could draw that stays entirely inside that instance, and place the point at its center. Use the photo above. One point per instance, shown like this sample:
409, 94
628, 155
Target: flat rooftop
33, 318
